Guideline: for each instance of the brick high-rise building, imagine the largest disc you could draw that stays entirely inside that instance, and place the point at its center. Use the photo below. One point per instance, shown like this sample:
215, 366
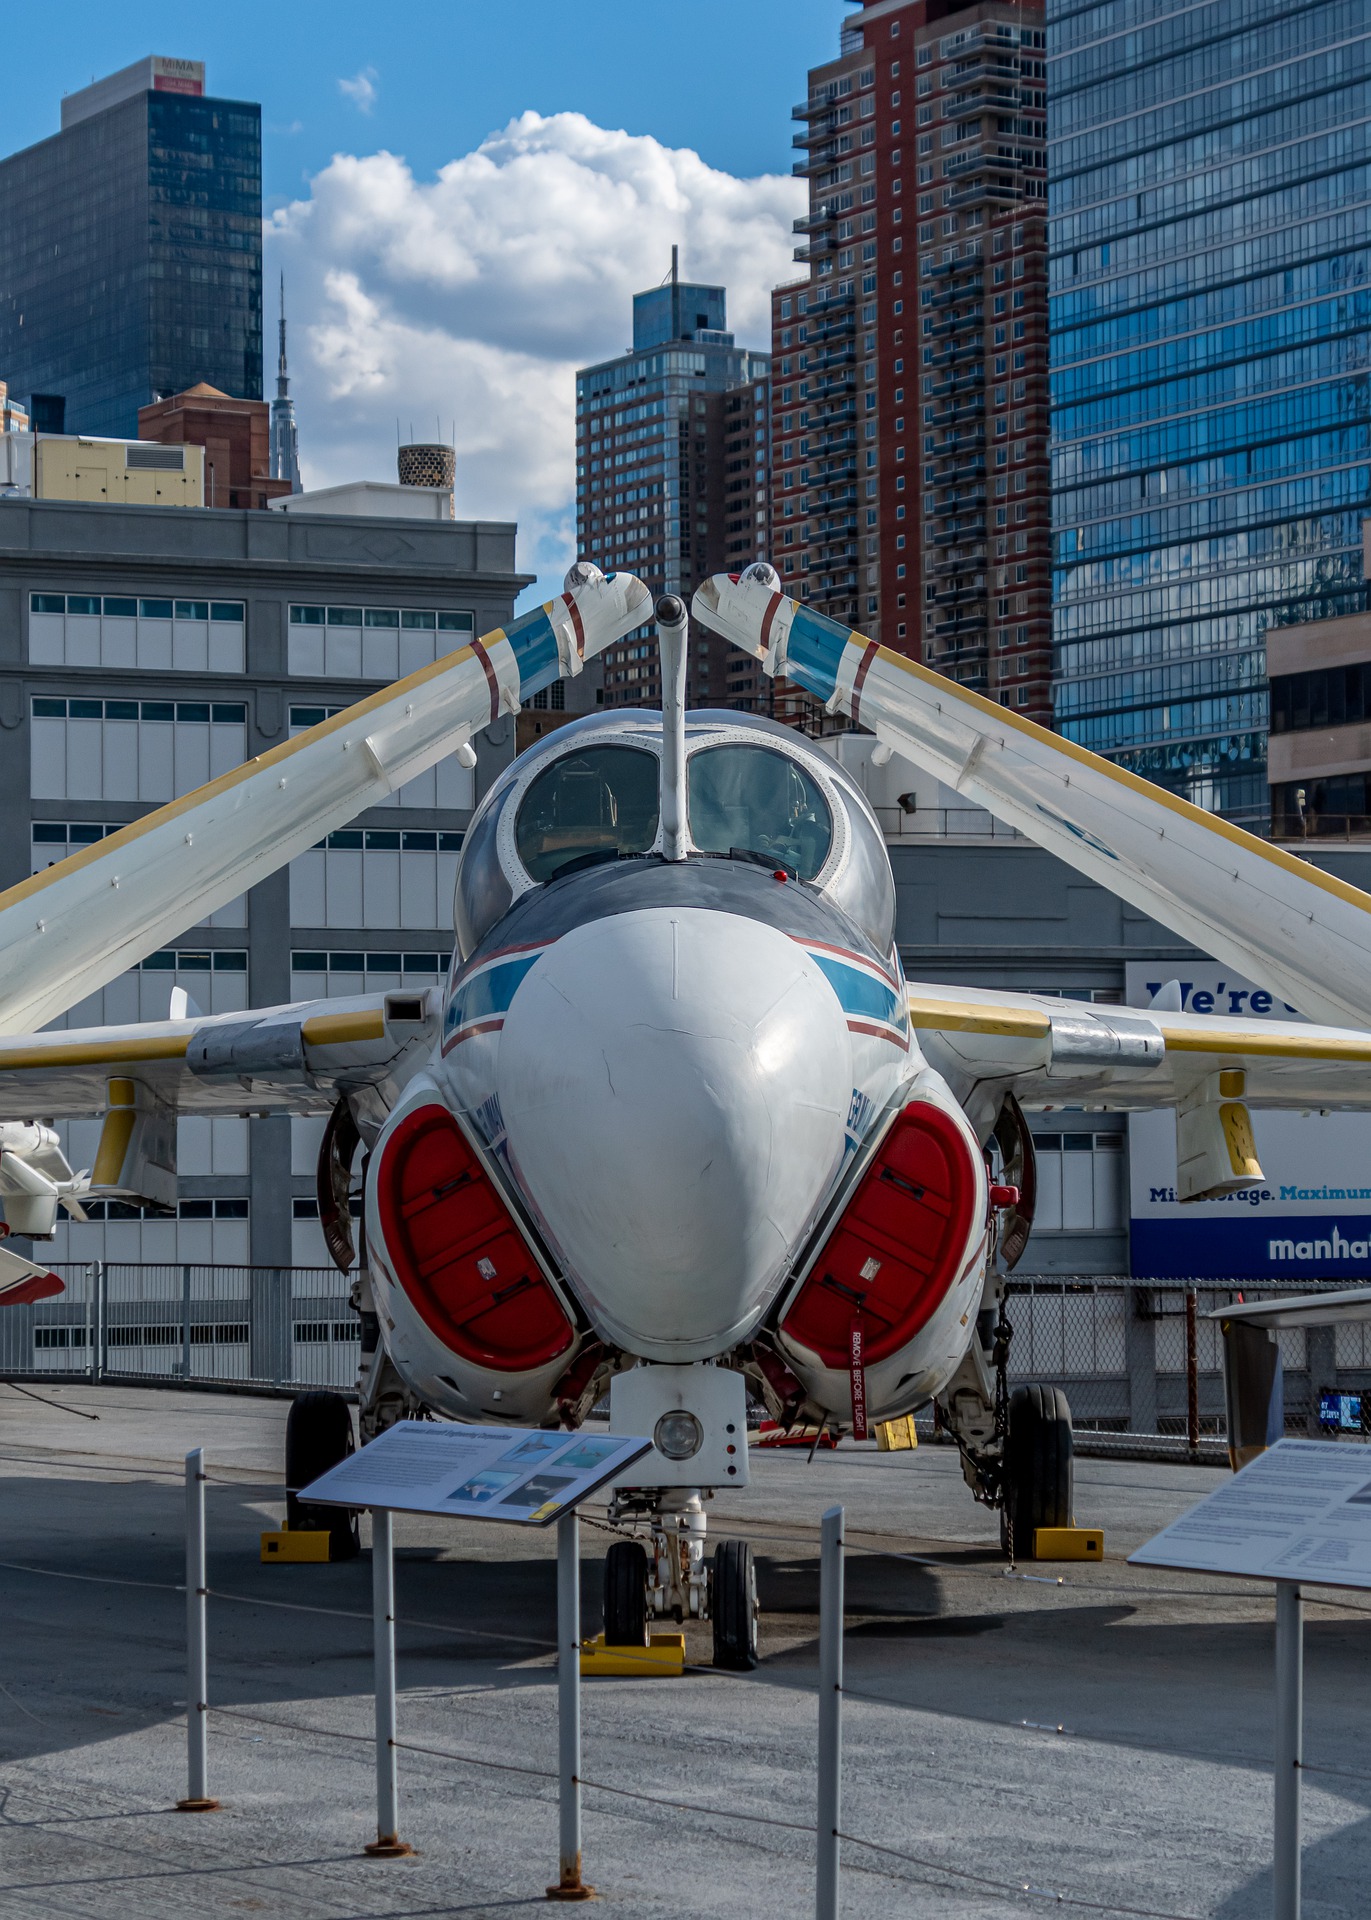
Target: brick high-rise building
672, 479
909, 412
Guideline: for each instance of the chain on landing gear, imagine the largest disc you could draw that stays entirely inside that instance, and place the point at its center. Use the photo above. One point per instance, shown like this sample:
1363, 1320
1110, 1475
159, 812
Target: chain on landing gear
999, 1359
974, 1407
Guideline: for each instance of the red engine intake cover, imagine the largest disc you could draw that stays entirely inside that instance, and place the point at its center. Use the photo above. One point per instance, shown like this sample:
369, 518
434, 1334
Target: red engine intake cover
457, 1252
896, 1247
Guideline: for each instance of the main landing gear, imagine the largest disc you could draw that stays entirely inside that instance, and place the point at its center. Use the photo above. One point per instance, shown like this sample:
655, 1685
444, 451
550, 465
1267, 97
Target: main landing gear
1016, 1447
1037, 1474
319, 1436
666, 1577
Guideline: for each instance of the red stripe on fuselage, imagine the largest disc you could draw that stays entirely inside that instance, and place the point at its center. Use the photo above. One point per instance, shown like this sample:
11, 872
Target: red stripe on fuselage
892, 1034
846, 953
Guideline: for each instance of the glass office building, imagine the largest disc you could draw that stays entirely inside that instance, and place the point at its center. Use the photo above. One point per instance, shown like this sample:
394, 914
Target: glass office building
1210, 257
131, 257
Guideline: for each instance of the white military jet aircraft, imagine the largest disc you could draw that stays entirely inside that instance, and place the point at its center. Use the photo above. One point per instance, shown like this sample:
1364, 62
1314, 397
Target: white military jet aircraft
677, 1125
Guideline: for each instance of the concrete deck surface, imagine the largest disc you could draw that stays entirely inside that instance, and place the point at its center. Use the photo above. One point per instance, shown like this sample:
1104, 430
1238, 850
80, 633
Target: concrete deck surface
1155, 1795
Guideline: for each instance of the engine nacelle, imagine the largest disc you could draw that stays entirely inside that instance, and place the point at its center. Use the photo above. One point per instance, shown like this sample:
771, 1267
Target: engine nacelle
471, 1313
903, 1262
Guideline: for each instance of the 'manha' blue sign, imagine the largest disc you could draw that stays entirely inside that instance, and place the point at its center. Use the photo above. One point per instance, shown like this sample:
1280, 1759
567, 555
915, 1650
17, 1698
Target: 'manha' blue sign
1311, 1221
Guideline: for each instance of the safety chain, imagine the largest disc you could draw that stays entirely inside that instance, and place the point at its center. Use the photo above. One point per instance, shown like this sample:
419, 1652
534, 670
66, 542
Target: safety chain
999, 1355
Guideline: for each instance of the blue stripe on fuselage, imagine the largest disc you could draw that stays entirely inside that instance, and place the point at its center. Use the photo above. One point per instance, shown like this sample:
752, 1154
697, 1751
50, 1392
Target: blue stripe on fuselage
490, 993
860, 993
535, 649
813, 650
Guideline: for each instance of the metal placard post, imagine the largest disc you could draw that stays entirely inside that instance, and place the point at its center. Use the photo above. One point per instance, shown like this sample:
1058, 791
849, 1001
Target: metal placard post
1299, 1513
387, 1845
197, 1799
1289, 1747
826, 1895
570, 1885
518, 1476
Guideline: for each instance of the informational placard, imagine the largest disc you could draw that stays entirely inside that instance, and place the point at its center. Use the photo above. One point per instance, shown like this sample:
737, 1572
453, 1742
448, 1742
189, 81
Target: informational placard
1312, 1219
518, 1476
1301, 1511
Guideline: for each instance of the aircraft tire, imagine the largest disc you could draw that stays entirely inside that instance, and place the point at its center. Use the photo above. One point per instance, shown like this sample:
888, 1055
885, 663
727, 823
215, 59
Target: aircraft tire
626, 1595
319, 1436
1039, 1477
734, 1606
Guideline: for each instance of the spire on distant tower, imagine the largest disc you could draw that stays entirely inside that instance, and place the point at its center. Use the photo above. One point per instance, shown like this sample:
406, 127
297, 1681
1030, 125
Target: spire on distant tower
285, 445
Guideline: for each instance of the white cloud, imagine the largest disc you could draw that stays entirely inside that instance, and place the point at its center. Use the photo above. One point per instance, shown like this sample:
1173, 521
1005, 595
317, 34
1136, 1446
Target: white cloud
361, 89
473, 297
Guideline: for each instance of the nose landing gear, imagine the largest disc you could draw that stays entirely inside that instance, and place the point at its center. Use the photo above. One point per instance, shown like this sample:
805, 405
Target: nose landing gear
667, 1578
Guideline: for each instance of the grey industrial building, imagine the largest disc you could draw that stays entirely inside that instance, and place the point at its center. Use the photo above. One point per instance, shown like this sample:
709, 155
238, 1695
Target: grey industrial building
144, 650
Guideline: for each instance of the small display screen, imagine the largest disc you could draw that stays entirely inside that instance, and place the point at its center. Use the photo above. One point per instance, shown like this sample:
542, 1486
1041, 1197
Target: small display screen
1341, 1412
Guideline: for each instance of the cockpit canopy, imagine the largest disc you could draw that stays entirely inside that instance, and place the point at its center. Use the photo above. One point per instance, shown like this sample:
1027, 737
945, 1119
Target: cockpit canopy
590, 793
740, 798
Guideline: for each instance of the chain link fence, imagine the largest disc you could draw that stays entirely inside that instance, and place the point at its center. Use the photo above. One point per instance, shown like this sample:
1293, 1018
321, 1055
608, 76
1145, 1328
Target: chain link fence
249, 1327
1138, 1360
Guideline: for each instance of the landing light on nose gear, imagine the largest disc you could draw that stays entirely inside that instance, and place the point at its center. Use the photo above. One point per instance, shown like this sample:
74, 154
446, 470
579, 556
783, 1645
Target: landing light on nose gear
697, 1416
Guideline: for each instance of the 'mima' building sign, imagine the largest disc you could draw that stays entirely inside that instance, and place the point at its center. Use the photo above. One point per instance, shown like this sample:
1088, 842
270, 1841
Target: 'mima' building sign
1312, 1219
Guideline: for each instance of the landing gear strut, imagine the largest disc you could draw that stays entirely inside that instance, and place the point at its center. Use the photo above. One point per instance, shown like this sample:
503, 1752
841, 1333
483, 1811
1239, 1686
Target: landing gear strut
666, 1577
1016, 1447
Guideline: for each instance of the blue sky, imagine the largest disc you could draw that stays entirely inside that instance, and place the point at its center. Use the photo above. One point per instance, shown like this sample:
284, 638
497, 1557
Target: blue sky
464, 197
707, 74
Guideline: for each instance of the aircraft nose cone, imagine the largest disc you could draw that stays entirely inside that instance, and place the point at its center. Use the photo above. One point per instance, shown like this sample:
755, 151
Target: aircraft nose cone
674, 1085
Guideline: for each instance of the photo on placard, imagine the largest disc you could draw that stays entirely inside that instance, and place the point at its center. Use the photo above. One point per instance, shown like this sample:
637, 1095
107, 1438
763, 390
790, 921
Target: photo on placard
590, 1453
483, 1486
534, 1447
541, 1488
1361, 1498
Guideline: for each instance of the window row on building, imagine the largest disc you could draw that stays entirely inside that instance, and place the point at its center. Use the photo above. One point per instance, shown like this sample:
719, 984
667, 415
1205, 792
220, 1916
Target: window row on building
138, 750
215, 980
319, 974
372, 643
1081, 1182
152, 635
382, 883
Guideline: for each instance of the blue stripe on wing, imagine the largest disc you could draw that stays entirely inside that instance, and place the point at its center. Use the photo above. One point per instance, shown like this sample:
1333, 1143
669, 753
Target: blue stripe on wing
813, 650
535, 649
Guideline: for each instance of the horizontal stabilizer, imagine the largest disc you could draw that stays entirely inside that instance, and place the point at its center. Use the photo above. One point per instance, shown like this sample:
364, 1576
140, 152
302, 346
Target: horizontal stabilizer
21, 1282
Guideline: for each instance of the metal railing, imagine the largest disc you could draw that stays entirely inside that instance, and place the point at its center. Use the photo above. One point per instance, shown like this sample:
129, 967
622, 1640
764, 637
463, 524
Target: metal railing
1135, 1358
251, 1327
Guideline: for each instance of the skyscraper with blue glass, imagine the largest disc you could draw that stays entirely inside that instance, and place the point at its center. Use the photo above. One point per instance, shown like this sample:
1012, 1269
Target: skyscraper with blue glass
131, 249
1210, 259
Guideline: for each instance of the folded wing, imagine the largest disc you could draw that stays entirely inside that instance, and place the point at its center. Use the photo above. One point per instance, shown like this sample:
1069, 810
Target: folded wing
71, 929
1253, 906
